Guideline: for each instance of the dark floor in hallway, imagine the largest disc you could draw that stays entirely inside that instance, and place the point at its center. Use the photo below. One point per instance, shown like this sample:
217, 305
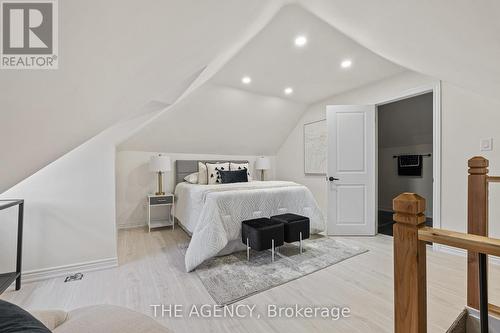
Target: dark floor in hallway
385, 222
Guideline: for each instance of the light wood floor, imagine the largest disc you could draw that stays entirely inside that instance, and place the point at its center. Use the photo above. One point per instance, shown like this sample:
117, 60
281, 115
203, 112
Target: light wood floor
151, 271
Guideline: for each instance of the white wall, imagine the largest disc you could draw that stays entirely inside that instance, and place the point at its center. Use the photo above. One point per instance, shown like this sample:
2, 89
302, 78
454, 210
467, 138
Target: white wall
134, 181
69, 221
68, 211
391, 185
466, 118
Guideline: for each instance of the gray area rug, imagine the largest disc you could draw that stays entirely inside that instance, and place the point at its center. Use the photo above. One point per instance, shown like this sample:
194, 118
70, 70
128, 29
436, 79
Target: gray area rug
231, 278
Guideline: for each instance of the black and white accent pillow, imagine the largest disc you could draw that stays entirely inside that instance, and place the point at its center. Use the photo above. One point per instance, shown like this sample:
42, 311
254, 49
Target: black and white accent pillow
213, 172
241, 166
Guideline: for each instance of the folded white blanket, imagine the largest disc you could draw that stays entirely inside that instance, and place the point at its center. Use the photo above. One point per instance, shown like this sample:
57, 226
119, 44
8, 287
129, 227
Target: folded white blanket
227, 205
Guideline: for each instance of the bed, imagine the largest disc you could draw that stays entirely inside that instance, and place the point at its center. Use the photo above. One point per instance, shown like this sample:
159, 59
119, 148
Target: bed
212, 214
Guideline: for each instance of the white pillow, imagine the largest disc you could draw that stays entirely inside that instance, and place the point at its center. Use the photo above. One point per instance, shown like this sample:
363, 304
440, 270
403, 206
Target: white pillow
213, 172
192, 178
241, 166
202, 174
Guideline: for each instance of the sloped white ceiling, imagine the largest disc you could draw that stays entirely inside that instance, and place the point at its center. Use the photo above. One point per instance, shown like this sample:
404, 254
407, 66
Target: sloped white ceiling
115, 56
453, 40
208, 121
273, 61
220, 120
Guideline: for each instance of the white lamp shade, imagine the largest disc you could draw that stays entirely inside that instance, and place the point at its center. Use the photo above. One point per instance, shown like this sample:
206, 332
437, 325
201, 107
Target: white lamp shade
263, 163
159, 163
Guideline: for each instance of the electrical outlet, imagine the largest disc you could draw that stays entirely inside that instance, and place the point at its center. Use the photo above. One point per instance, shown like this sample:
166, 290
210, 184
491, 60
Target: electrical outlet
74, 277
486, 144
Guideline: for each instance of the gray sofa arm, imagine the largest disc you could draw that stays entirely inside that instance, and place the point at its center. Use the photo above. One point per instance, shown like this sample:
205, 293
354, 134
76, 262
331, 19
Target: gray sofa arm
50, 318
99, 319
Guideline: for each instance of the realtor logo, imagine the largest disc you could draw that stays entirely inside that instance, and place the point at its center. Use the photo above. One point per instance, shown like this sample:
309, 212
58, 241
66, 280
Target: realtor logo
29, 34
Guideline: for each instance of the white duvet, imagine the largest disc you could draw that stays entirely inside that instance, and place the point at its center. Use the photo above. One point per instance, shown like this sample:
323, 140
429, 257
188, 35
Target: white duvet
213, 213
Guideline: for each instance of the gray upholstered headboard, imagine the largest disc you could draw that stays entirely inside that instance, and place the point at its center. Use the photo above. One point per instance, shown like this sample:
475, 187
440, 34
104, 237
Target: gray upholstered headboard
186, 167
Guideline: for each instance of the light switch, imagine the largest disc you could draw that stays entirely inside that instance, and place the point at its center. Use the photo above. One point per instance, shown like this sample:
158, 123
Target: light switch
486, 144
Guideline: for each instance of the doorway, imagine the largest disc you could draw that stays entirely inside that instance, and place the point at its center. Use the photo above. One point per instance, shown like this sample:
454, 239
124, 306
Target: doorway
404, 154
352, 170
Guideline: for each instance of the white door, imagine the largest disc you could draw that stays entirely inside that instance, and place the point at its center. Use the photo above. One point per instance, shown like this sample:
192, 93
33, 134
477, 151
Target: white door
351, 170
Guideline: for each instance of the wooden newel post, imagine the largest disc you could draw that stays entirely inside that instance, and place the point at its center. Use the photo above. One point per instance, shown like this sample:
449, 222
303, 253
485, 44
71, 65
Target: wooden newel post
410, 295
477, 221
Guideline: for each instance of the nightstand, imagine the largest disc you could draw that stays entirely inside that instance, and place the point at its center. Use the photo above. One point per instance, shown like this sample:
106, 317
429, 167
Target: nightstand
166, 200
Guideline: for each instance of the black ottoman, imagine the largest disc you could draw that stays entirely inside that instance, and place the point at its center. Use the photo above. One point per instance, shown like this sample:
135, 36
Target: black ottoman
262, 234
297, 227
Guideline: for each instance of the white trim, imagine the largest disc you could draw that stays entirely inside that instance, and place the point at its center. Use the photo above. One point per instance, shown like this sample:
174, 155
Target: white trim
460, 252
53, 272
436, 157
435, 88
131, 226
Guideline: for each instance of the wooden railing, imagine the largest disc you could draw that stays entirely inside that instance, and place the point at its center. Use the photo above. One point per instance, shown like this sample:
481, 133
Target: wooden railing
411, 236
477, 221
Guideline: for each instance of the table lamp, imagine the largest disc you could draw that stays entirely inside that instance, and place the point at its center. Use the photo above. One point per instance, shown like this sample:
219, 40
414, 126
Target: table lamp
262, 163
160, 164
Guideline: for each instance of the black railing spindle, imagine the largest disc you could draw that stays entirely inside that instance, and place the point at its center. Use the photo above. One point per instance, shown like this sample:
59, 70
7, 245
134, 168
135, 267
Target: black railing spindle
483, 292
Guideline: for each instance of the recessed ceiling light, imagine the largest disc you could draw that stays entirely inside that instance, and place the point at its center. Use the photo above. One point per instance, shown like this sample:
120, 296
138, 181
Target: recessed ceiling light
346, 63
300, 41
246, 79
288, 91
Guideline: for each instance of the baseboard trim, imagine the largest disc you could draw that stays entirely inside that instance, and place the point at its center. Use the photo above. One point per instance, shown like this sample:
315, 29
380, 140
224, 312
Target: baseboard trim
53, 272
460, 252
131, 226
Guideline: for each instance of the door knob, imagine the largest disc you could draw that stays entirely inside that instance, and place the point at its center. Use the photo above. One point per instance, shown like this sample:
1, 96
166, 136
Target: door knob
332, 179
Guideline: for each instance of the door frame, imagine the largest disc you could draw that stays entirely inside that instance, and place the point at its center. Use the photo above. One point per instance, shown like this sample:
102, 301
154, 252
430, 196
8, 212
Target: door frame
435, 88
